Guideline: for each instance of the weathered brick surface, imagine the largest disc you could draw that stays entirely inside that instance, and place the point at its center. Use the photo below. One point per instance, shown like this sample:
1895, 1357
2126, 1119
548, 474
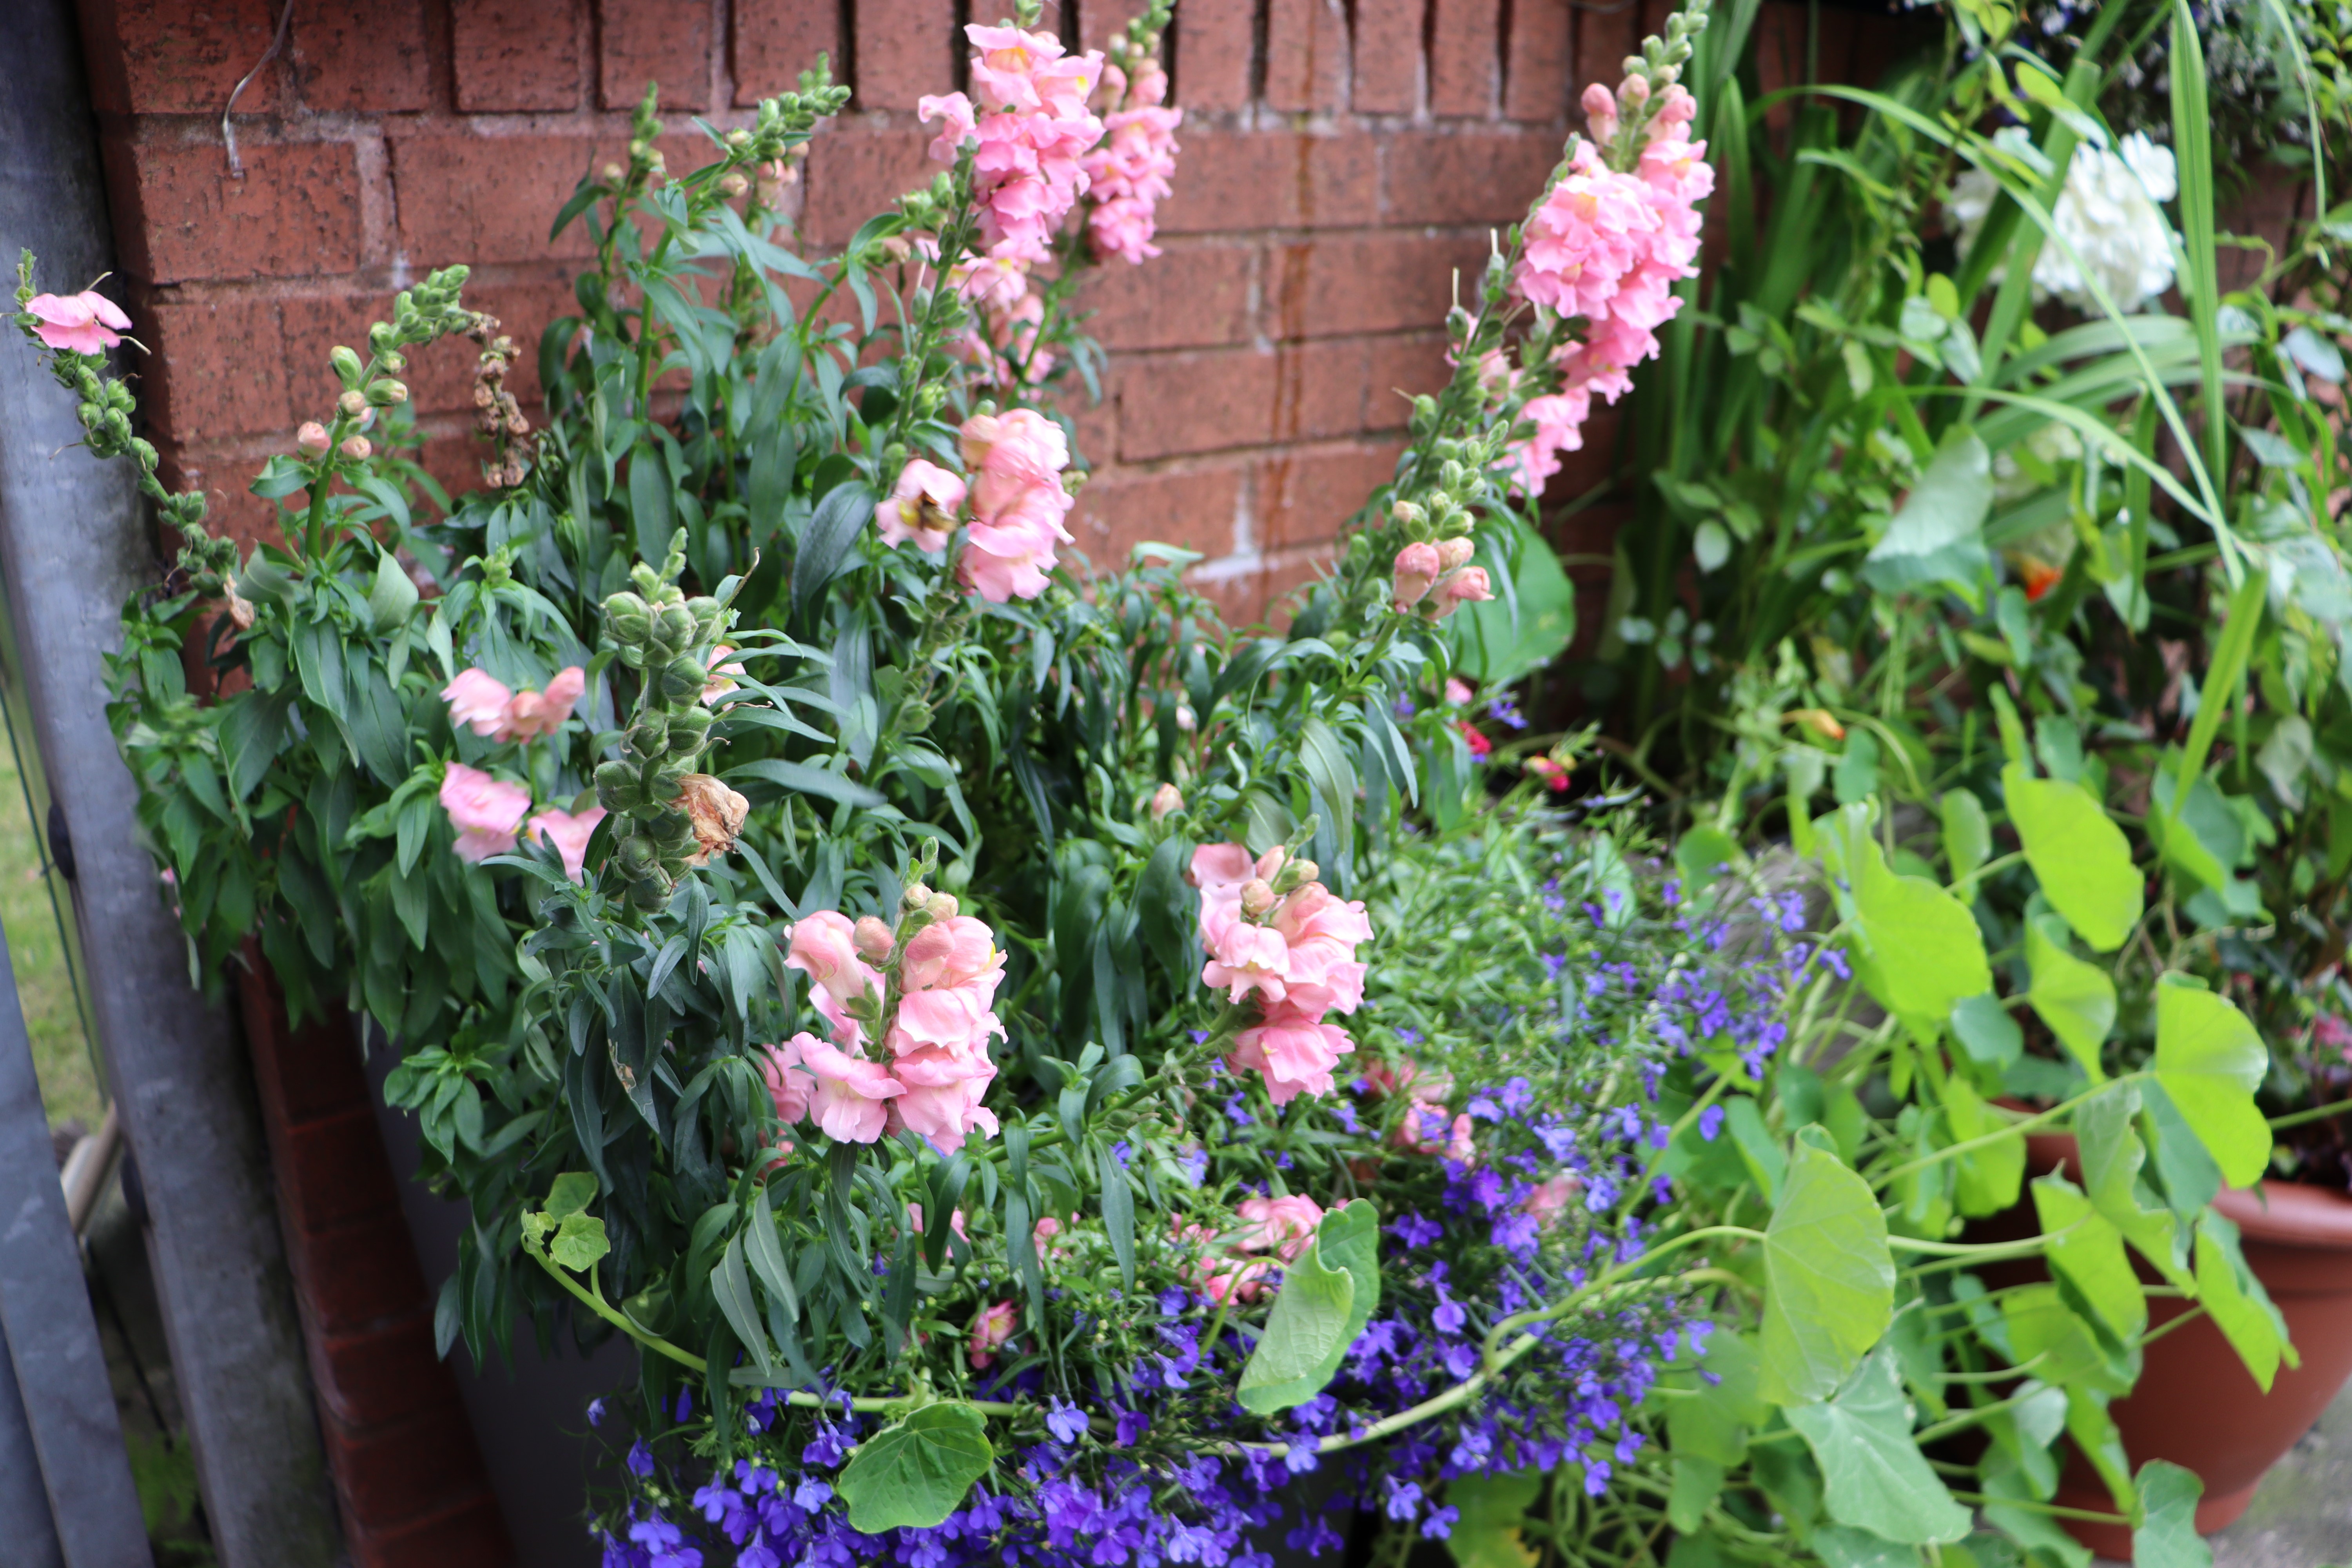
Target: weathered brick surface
515, 54
359, 59
663, 41
476, 198
771, 42
1388, 55
179, 214
1229, 181
1464, 58
906, 49
1306, 55
219, 364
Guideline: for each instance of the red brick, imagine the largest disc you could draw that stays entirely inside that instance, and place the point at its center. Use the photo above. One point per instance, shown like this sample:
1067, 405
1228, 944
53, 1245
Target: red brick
383, 1374
1536, 58
1337, 284
357, 1276
1485, 177
1401, 369
1193, 510
480, 199
1464, 67
773, 41
333, 1171
663, 41
150, 57
1095, 437
1388, 55
179, 214
1306, 55
386, 1476
1301, 497
232, 510
370, 59
1100, 21
516, 54
1212, 53
854, 173
218, 368
1240, 397
1195, 296
471, 1534
906, 49
1603, 39
1230, 180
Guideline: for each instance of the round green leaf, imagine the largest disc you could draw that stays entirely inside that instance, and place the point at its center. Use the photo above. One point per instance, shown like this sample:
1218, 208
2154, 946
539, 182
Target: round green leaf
2210, 1061
1927, 953
2081, 857
2076, 999
1829, 1278
913, 1473
1874, 1477
2166, 1535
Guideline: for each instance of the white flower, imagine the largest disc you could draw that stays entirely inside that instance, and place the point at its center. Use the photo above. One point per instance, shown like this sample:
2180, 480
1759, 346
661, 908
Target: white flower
2108, 214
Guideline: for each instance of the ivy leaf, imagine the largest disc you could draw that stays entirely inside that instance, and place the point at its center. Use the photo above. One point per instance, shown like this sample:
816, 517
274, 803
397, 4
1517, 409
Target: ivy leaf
2081, 857
2240, 1308
579, 1242
2090, 1255
1315, 1318
1829, 1278
1494, 1507
2076, 999
2166, 1535
1873, 1476
2209, 1061
913, 1473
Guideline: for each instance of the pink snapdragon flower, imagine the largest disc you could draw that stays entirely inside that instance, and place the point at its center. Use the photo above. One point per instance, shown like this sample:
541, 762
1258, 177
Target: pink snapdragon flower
921, 507
1016, 460
722, 674
1032, 128
823, 946
477, 698
1216, 1273
84, 324
1297, 954
570, 833
1549, 1199
1006, 316
850, 1095
939, 1041
1294, 1050
487, 812
1284, 1227
790, 1085
990, 1333
1130, 173
1468, 586
1416, 567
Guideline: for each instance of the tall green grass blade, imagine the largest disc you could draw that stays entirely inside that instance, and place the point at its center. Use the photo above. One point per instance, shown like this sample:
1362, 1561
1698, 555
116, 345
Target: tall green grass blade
2192, 149
2216, 696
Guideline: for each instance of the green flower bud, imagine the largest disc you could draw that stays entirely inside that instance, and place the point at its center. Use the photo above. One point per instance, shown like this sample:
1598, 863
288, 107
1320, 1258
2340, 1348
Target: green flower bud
682, 681
347, 365
915, 716
387, 392
617, 786
628, 619
649, 737
689, 729
674, 630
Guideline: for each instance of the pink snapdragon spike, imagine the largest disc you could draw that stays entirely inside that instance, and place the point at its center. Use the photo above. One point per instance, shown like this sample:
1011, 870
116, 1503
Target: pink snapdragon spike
84, 324
1006, 315
479, 699
824, 947
1609, 245
790, 1085
570, 834
1416, 567
1028, 115
1016, 460
1130, 173
1284, 1227
990, 1331
1297, 955
921, 508
1468, 586
487, 812
850, 1094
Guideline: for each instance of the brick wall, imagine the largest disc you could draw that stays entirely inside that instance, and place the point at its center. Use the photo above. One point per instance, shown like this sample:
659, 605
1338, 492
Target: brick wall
1341, 159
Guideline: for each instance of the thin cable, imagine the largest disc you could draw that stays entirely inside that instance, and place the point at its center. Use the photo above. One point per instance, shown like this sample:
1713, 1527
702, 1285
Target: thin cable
228, 131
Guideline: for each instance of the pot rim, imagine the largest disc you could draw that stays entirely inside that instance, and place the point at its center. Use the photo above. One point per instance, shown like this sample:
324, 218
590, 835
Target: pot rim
2290, 1213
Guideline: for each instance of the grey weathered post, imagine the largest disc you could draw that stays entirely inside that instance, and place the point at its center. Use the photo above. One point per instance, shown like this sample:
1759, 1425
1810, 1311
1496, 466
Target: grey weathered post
53, 1354
74, 541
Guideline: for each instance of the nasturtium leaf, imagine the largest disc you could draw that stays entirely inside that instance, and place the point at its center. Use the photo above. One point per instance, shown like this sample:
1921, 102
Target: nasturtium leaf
1695, 1486
2240, 1308
1716, 1404
1938, 534
1925, 952
2076, 999
573, 1192
2166, 1535
2112, 1157
2012, 1508
1987, 1178
1968, 837
914, 1472
2080, 855
1987, 1032
580, 1242
2209, 1061
1873, 1476
1829, 1278
2097, 1441
2051, 1344
1842, 1546
1703, 852
1493, 1508
2087, 1250
1329, 1294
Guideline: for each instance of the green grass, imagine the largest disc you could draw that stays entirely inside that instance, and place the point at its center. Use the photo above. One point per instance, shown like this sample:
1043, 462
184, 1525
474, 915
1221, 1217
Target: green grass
43, 985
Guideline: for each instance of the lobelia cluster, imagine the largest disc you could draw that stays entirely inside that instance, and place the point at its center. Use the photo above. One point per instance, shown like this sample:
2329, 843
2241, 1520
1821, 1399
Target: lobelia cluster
925, 993
1271, 929
1618, 228
1016, 504
489, 812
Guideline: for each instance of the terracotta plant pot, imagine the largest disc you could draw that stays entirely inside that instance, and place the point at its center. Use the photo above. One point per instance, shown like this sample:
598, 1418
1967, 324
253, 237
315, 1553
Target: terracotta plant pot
2196, 1403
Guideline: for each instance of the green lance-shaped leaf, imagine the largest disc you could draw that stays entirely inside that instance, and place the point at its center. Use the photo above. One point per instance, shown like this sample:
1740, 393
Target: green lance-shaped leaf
2087, 1250
2166, 1535
2241, 1309
2076, 999
1874, 1477
2210, 1061
1829, 1278
2081, 857
913, 1473
1329, 1293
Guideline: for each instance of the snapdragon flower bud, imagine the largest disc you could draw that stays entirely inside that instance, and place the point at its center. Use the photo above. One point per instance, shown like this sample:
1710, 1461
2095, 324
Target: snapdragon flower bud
387, 393
872, 939
352, 403
915, 896
1165, 799
943, 907
311, 438
1453, 553
1257, 897
357, 449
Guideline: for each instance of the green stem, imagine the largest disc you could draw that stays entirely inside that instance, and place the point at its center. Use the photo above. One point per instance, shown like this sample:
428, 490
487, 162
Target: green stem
1969, 1145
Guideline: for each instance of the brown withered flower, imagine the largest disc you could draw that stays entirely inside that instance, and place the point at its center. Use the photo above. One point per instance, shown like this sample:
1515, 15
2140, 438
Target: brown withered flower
716, 812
